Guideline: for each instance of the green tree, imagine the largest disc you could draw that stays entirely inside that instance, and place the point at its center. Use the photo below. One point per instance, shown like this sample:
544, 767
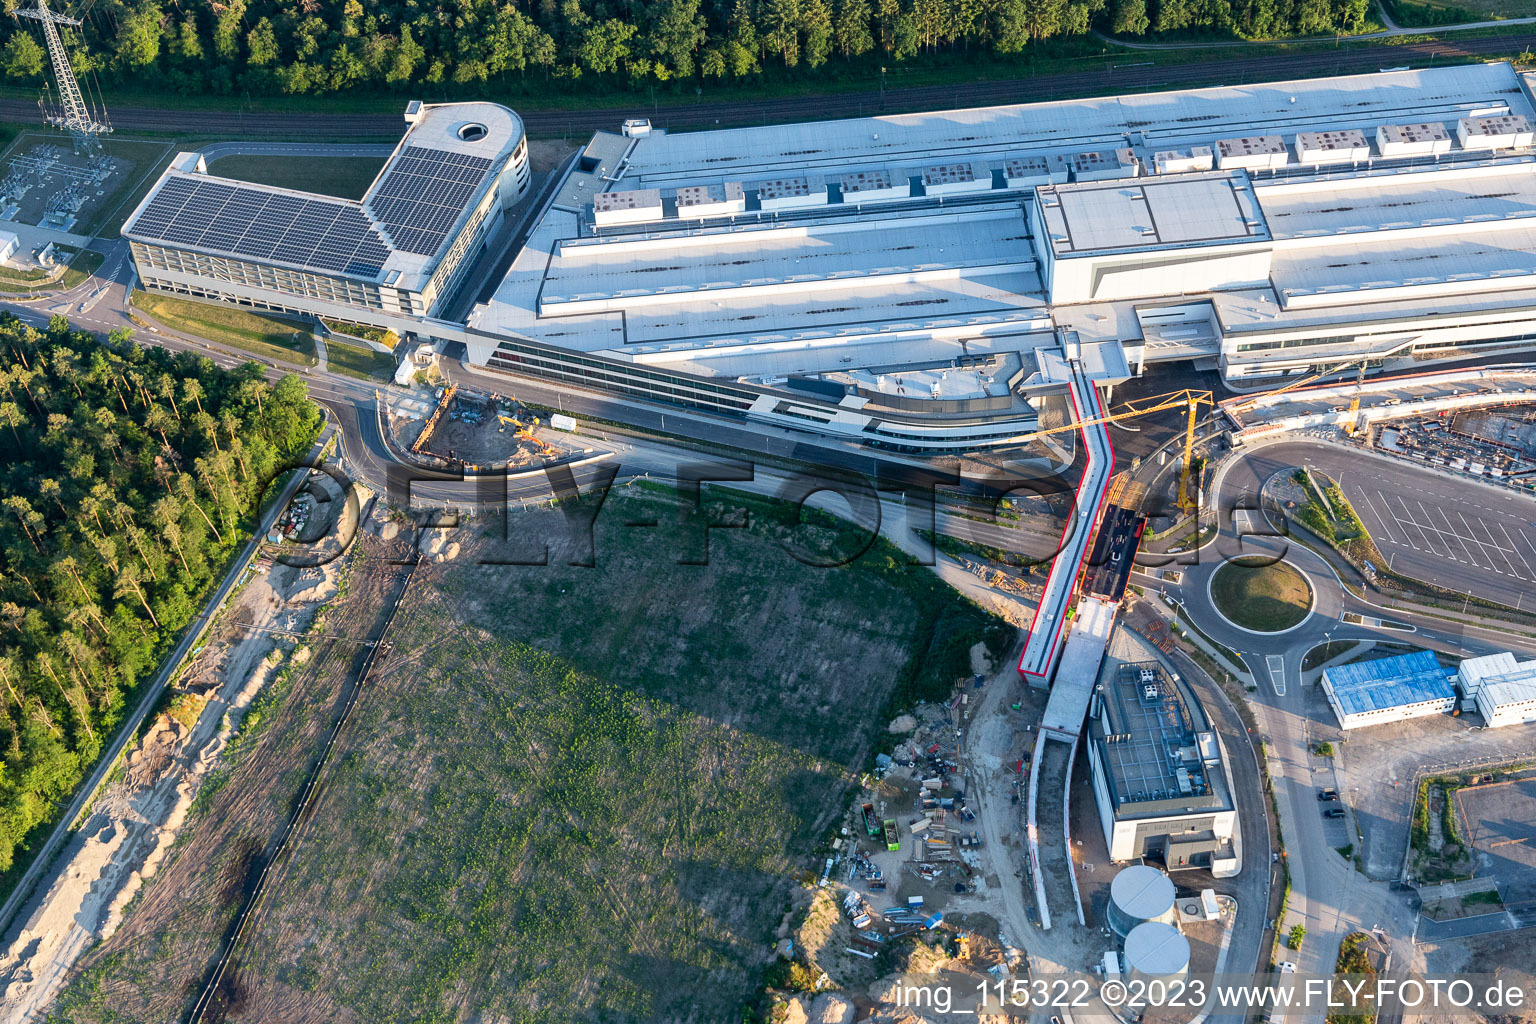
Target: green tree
1128, 17
781, 30
677, 30
189, 44
817, 19
22, 57
261, 43
138, 37
605, 46
405, 59
850, 29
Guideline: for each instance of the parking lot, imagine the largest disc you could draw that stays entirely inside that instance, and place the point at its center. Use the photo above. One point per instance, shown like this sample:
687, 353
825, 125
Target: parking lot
1374, 770
1468, 533
1499, 820
1459, 535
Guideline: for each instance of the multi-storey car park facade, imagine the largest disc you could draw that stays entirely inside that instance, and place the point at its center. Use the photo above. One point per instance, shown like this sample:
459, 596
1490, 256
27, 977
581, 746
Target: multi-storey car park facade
390, 259
919, 281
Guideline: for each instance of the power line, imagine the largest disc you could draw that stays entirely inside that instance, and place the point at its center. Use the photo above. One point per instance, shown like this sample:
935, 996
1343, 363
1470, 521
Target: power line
73, 115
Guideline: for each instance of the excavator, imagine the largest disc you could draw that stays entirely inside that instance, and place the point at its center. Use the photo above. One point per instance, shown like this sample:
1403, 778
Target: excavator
524, 432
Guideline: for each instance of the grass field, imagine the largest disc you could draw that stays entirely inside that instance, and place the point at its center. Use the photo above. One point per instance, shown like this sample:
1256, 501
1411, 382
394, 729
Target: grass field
575, 794
1266, 598
86, 263
357, 361
344, 176
256, 333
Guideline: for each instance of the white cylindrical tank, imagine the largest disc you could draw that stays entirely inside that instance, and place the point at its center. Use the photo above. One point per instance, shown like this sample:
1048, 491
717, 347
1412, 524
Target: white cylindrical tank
1156, 950
1139, 894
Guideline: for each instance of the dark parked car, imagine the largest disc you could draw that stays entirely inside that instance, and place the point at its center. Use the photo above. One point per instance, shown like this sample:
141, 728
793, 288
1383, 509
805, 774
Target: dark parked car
1334, 812
1327, 794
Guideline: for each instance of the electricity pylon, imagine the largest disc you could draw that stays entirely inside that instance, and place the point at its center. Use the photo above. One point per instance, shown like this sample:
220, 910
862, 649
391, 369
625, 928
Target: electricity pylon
73, 115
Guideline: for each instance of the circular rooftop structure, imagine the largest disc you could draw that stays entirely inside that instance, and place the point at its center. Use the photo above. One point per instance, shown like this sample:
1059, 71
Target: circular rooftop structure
1139, 894
1156, 949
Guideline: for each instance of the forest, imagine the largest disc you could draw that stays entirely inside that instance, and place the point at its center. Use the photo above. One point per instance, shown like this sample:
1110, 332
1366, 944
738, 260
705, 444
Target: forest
129, 477
493, 47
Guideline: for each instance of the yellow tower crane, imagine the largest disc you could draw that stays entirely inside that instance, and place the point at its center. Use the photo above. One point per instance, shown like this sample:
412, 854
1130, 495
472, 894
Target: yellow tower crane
1190, 401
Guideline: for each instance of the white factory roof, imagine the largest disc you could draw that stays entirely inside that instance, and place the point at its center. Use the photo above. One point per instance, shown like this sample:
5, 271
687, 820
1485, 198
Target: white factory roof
1162, 120
1173, 212
922, 281
1477, 195
1078, 671
1501, 678
761, 256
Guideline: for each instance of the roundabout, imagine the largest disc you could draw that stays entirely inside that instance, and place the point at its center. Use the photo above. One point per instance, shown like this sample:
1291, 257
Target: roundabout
1261, 595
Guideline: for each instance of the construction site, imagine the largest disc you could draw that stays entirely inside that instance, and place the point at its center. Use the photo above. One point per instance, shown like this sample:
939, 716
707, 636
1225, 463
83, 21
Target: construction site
472, 431
1498, 442
181, 830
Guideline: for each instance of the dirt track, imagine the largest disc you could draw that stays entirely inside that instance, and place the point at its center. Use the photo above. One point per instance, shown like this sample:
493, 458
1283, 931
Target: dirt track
179, 920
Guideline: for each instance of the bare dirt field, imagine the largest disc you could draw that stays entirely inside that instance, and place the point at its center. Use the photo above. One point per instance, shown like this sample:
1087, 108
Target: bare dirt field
1498, 819
567, 794
1378, 766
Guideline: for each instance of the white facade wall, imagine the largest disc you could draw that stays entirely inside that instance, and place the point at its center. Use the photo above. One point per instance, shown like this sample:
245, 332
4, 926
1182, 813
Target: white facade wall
1155, 274
1498, 711
1390, 144
1494, 133
635, 206
1343, 147
1179, 161
1381, 716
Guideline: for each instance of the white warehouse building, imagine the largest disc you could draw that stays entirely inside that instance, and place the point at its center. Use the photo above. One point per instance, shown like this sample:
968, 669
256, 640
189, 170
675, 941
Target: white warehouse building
1503, 689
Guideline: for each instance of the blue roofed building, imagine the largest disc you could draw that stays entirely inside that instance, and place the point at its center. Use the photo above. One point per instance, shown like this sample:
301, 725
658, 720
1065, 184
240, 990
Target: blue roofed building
1389, 689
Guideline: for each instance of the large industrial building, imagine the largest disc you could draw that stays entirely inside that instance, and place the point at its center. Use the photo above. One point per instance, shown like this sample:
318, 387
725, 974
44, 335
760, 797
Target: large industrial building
390, 260
920, 281
1389, 689
1159, 774
909, 279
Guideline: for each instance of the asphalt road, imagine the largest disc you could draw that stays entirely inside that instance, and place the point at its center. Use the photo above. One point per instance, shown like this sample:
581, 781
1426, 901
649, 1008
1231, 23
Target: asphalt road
1328, 896
1115, 72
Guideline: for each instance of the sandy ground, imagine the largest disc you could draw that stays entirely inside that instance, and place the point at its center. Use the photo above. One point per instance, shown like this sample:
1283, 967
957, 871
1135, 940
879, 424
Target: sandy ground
139, 811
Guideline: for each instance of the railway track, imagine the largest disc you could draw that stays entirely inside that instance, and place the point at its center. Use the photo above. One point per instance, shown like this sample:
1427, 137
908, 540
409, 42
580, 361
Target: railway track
1099, 76
209, 1000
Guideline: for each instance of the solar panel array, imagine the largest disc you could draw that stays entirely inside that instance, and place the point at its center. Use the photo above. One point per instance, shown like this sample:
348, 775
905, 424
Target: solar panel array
316, 233
423, 194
